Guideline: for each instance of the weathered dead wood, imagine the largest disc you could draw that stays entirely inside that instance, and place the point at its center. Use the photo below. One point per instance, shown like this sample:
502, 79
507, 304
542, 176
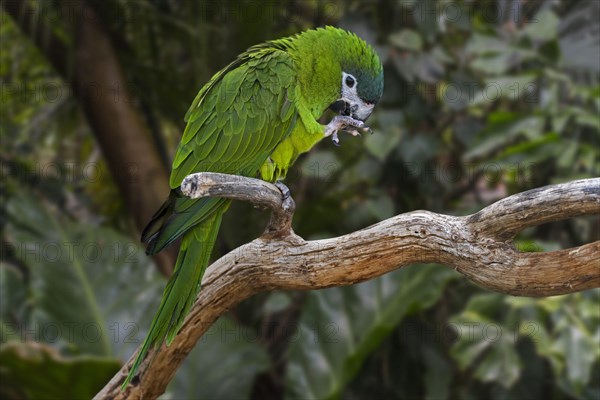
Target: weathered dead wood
478, 246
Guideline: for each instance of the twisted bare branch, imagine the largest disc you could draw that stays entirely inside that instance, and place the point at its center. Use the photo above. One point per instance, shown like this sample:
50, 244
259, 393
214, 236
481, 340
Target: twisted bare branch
478, 246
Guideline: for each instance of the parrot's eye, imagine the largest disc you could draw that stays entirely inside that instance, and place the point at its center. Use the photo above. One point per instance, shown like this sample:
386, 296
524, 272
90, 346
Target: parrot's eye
350, 81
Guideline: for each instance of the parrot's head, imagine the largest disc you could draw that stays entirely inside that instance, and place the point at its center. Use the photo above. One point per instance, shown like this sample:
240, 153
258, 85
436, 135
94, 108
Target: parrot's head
359, 77
360, 90
340, 71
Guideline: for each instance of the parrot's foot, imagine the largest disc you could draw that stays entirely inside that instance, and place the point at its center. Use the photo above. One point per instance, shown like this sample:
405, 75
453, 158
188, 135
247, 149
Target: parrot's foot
285, 191
342, 123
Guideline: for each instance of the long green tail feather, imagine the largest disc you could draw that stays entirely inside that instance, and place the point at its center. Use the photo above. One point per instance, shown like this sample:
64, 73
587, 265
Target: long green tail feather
175, 217
182, 288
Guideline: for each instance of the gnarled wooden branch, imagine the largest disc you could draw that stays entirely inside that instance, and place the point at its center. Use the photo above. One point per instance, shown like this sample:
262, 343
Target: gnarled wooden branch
478, 246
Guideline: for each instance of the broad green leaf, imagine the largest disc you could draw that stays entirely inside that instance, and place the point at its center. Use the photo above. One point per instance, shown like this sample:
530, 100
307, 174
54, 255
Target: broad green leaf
543, 26
559, 121
407, 66
567, 156
544, 345
407, 39
430, 70
499, 136
485, 44
441, 55
381, 144
513, 88
485, 304
576, 335
470, 329
223, 365
580, 351
35, 371
498, 58
485, 345
339, 327
528, 148
91, 287
501, 364
493, 65
590, 119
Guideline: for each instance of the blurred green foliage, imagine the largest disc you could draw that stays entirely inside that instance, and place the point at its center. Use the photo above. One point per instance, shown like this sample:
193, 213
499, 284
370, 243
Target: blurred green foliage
482, 99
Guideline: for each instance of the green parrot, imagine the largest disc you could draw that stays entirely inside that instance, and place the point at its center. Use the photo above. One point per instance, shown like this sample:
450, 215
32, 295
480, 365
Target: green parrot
254, 118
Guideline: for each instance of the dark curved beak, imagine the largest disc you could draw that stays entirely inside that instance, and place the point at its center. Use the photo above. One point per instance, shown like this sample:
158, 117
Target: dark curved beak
360, 111
340, 107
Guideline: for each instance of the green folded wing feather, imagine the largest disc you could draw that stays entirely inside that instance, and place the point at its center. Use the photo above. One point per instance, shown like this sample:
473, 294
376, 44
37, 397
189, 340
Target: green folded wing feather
233, 125
238, 116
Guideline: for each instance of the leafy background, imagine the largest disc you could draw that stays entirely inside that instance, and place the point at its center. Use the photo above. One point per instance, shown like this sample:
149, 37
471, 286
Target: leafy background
482, 100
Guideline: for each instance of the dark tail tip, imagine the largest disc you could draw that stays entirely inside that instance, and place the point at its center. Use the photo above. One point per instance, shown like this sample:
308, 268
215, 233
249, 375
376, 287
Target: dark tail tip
152, 231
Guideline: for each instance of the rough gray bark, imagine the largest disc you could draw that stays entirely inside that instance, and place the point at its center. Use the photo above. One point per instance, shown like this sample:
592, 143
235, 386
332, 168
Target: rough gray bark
478, 246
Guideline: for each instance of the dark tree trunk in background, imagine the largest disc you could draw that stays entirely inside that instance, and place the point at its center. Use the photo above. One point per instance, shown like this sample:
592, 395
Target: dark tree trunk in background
99, 84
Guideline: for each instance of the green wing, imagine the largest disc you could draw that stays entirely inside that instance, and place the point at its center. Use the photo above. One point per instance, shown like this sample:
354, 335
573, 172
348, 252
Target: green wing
233, 125
236, 120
